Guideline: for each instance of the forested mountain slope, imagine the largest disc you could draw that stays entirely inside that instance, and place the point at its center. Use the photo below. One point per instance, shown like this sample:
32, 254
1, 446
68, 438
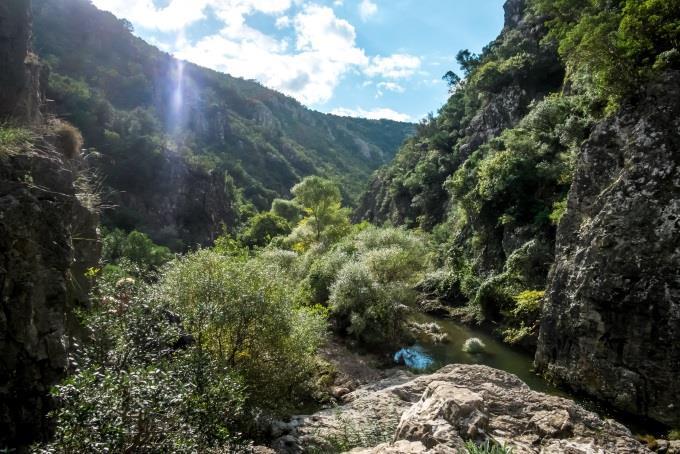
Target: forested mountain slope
182, 149
559, 122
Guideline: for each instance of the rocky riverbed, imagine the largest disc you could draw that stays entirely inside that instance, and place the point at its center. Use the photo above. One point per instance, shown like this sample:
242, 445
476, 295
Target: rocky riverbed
440, 412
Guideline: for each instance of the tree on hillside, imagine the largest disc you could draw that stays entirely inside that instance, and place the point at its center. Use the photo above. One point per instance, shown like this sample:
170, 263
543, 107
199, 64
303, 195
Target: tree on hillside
288, 210
262, 228
321, 201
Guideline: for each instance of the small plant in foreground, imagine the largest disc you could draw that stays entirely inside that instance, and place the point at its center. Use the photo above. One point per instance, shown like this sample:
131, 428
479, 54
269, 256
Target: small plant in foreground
488, 447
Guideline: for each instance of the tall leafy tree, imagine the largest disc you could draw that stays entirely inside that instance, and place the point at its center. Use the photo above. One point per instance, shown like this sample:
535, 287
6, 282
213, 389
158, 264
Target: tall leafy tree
321, 200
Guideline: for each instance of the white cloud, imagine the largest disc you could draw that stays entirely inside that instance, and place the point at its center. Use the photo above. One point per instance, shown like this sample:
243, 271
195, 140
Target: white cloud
373, 114
391, 86
180, 14
282, 22
367, 9
176, 15
397, 66
308, 64
325, 50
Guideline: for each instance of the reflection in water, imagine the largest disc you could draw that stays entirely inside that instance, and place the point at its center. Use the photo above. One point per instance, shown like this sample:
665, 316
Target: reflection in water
496, 354
414, 358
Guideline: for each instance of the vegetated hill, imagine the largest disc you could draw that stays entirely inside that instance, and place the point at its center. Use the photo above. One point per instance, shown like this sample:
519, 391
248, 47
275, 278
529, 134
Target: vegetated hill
568, 88
182, 148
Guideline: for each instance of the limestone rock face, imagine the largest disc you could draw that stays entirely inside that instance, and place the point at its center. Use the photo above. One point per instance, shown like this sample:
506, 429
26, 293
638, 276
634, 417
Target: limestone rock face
48, 239
184, 206
438, 413
611, 324
20, 92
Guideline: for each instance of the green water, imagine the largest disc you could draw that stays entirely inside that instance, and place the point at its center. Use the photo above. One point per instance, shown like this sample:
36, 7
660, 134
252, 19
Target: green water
500, 356
497, 354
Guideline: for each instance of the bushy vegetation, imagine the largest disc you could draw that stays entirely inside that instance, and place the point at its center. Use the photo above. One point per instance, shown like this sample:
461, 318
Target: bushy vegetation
612, 47
134, 251
192, 352
141, 383
367, 281
260, 142
240, 310
262, 228
14, 139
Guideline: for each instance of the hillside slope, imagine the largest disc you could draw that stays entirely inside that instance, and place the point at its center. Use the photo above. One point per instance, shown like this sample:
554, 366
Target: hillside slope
181, 148
567, 119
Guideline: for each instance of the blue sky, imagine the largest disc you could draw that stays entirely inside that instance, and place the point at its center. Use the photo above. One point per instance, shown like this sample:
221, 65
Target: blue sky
369, 58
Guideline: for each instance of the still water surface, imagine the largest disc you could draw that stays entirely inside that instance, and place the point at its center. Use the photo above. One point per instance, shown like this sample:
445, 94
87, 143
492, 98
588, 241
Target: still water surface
500, 356
496, 354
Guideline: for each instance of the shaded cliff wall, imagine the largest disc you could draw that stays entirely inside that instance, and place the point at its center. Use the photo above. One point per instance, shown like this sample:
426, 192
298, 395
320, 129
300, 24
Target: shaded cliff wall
48, 239
20, 93
611, 323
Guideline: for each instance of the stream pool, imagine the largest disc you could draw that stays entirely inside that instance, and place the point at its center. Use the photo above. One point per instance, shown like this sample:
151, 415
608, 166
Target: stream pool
500, 356
496, 354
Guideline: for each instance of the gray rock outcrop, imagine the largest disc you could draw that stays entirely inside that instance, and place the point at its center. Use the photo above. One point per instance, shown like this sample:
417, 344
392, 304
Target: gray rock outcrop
438, 413
48, 239
611, 323
20, 92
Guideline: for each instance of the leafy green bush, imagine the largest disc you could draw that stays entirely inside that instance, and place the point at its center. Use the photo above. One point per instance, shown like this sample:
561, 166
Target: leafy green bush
323, 272
368, 279
136, 247
610, 48
142, 385
242, 312
262, 228
288, 210
528, 304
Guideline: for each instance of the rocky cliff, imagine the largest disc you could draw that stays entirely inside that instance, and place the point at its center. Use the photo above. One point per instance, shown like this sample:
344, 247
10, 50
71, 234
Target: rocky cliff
439, 413
48, 239
611, 323
20, 93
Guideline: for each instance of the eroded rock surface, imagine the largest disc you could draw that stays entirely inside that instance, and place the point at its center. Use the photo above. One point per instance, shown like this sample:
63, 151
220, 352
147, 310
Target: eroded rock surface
438, 413
611, 323
48, 239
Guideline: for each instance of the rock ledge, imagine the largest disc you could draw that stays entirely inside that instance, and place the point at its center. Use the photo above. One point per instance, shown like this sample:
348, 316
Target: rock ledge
438, 413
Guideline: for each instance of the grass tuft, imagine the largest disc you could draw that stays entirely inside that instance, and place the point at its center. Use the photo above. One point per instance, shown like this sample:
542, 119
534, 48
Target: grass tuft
14, 139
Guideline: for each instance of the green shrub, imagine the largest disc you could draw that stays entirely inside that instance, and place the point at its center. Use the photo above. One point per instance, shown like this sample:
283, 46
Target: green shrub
367, 280
288, 210
135, 247
474, 346
610, 48
371, 313
242, 312
323, 273
141, 385
528, 304
262, 228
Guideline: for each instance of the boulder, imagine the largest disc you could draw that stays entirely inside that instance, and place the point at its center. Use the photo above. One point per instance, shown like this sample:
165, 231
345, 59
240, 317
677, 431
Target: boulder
440, 412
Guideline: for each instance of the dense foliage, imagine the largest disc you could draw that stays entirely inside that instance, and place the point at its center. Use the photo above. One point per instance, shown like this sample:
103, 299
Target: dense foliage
194, 352
249, 143
490, 173
612, 47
